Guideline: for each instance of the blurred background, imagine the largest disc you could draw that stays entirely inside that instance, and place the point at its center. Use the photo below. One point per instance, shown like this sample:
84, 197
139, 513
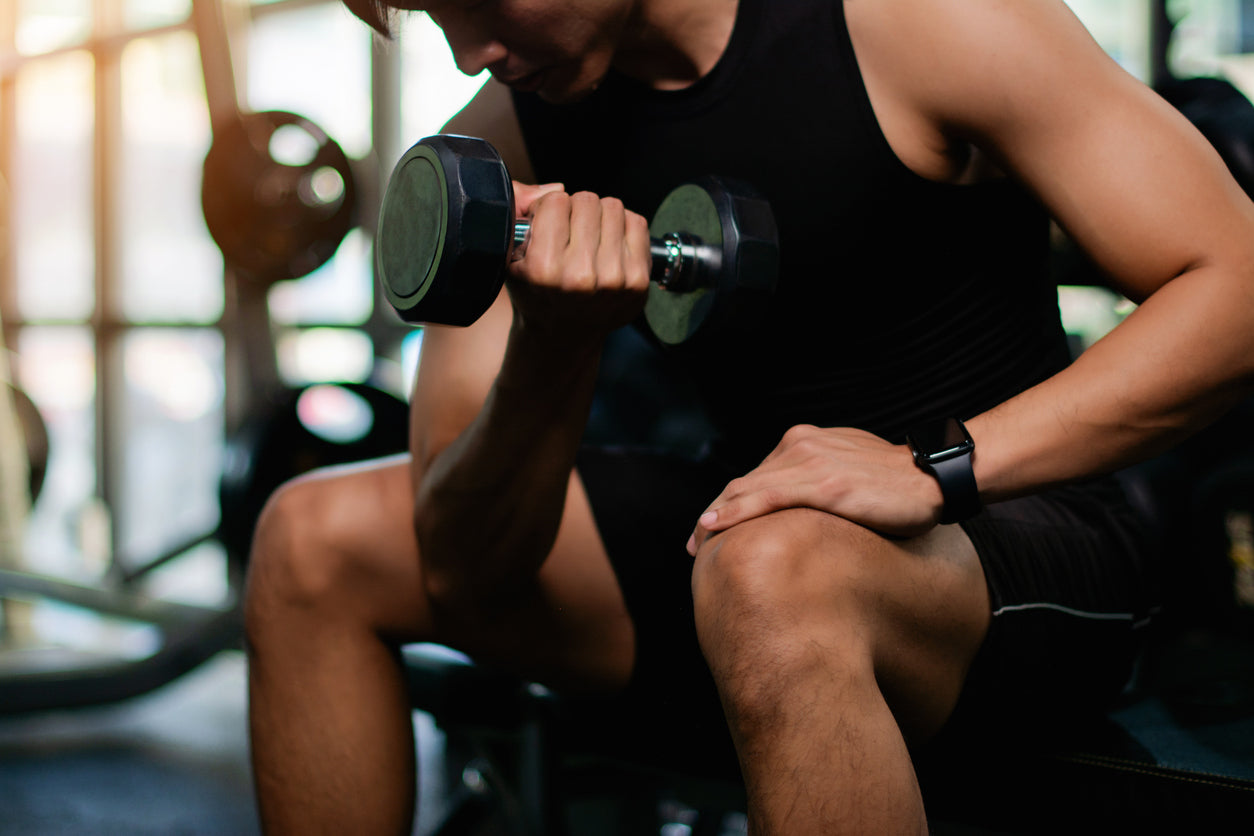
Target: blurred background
112, 290
131, 336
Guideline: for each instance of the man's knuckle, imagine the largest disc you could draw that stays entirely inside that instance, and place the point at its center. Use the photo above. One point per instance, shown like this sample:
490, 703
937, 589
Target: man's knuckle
798, 433
772, 496
551, 201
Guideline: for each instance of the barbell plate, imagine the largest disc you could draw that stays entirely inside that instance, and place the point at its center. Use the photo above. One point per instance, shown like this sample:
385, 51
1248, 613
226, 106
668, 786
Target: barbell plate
265, 215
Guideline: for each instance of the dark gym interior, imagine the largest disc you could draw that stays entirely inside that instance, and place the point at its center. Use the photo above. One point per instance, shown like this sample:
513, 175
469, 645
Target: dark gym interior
162, 374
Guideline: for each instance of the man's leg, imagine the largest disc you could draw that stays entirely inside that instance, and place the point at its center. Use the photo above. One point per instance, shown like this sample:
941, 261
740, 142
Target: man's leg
335, 586
832, 647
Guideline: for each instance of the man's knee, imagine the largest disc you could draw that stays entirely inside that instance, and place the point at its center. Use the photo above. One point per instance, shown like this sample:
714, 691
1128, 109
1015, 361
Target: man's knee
782, 572
301, 552
779, 598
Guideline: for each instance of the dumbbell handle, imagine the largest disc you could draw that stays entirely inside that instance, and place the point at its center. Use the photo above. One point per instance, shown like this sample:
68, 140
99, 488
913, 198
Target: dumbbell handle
679, 261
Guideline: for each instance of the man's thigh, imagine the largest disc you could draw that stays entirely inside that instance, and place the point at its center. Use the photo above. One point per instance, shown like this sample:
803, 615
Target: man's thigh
570, 629
1073, 577
645, 506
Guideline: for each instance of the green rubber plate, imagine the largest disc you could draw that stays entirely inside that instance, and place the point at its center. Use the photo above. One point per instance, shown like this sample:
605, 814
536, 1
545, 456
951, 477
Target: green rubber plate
412, 222
672, 316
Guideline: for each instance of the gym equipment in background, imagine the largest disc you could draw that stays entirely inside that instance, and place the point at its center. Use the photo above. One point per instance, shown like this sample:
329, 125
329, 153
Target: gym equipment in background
278, 196
278, 193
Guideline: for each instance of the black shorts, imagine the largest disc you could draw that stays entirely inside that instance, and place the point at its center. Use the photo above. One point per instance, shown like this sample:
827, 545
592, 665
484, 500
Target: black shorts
1071, 576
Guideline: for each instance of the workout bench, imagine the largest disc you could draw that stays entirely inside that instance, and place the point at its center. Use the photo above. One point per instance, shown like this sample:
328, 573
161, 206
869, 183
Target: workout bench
522, 761
525, 762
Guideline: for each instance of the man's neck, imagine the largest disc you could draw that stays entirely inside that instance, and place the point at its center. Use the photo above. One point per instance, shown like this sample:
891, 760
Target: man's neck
671, 44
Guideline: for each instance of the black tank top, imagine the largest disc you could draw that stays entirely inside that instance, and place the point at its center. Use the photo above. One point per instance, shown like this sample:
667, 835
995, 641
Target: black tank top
900, 299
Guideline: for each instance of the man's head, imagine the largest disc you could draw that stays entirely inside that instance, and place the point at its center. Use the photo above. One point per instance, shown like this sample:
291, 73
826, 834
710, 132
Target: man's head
560, 49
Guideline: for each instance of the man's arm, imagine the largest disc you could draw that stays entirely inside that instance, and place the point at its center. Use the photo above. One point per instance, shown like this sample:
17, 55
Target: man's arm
1134, 184
499, 407
459, 365
1139, 189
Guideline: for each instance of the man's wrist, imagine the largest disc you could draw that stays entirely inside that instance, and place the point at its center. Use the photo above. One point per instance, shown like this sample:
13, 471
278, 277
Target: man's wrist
548, 358
945, 451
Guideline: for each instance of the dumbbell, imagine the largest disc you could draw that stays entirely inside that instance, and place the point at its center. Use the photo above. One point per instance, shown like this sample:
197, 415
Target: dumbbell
447, 231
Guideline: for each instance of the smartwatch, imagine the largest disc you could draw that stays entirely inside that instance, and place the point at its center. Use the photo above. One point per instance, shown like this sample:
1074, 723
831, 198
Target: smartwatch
944, 449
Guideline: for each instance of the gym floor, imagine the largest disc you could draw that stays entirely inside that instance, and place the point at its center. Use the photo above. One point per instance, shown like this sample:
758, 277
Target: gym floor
175, 761
172, 762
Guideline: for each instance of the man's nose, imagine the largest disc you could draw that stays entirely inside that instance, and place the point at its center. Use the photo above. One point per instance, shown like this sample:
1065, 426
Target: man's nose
474, 48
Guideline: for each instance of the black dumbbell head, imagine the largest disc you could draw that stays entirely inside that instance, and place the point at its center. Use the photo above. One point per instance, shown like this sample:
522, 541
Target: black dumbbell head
445, 228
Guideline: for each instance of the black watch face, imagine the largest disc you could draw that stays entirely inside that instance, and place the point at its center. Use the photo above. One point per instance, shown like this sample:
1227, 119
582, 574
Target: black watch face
939, 438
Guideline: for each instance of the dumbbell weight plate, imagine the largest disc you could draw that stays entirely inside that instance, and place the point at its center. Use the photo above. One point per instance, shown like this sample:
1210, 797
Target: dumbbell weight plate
675, 315
419, 192
740, 247
440, 255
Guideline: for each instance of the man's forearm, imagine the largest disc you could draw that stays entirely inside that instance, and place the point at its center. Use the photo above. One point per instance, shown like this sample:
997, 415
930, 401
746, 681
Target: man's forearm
1177, 363
489, 504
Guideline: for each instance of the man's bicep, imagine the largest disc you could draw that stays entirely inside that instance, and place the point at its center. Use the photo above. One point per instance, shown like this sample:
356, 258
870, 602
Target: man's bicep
1124, 173
1133, 183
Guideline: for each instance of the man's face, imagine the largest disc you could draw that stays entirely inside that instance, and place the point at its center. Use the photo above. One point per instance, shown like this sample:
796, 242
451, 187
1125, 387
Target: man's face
560, 49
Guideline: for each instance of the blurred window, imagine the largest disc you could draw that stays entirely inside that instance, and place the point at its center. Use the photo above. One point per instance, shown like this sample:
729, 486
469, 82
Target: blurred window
110, 286
170, 270
45, 25
1214, 37
173, 411
433, 89
52, 188
56, 367
145, 14
1121, 27
314, 61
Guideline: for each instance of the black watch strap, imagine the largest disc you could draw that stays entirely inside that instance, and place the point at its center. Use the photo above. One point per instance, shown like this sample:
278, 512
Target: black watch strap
945, 450
957, 484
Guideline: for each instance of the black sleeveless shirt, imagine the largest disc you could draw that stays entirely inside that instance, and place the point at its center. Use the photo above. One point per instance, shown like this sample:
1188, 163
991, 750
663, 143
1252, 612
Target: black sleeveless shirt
899, 300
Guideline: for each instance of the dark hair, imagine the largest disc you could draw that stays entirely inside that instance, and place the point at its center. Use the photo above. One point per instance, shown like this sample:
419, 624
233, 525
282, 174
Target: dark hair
375, 12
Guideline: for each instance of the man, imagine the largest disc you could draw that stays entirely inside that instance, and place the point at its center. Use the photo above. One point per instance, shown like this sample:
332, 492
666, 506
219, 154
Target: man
847, 600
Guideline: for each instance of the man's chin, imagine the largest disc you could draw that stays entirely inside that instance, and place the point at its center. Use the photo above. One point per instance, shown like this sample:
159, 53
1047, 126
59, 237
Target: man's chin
555, 95
560, 88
